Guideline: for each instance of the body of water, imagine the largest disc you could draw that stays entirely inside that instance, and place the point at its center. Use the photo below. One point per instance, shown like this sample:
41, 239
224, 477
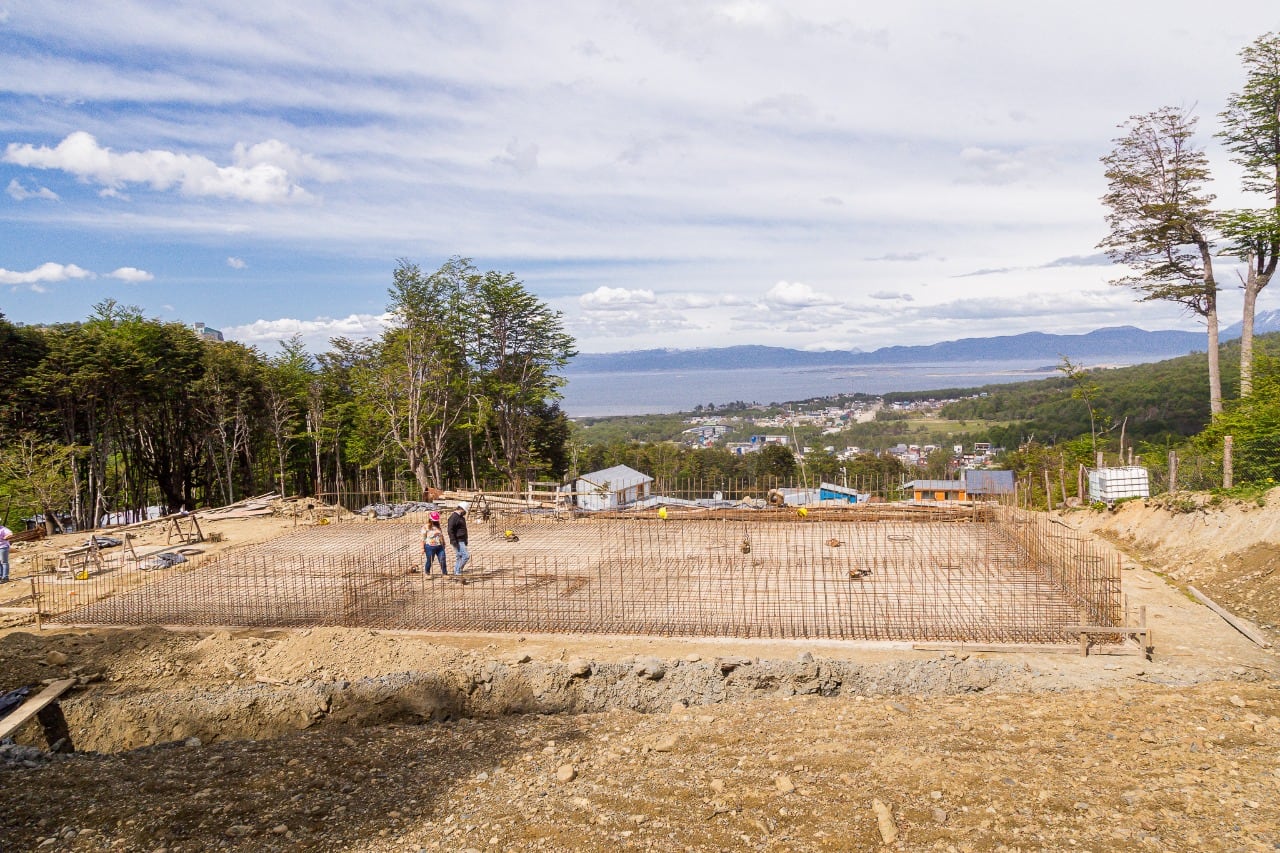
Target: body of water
663, 391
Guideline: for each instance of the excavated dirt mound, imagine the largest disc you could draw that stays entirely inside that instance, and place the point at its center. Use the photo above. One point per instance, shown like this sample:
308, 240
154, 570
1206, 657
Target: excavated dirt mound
1229, 550
356, 740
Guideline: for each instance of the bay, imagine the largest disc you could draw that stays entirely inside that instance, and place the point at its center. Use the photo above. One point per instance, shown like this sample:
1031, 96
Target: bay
664, 391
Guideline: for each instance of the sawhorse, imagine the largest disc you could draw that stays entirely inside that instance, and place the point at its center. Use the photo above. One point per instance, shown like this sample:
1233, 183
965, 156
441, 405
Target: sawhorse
185, 528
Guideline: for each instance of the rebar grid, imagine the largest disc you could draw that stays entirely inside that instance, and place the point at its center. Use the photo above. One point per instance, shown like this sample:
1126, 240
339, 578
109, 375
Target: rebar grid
976, 575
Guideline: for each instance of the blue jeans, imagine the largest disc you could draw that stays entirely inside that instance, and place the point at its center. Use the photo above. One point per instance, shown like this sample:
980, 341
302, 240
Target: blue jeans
434, 551
462, 556
4, 564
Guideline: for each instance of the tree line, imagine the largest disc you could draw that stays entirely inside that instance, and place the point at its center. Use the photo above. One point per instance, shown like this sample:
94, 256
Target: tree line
1162, 220
120, 412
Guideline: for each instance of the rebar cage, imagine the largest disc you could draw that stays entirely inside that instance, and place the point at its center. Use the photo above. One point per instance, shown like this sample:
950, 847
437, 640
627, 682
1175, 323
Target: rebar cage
981, 573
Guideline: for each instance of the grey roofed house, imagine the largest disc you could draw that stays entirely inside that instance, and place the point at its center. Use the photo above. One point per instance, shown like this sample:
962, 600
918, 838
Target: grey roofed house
979, 481
612, 488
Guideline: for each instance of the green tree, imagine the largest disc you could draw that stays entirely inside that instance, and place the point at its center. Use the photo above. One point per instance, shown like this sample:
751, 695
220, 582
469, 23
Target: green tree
519, 347
285, 377
774, 461
39, 474
1083, 388
1254, 424
1251, 131
937, 465
416, 378
1160, 220
229, 401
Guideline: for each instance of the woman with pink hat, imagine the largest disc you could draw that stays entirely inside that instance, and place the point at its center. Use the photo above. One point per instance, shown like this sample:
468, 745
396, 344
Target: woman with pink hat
433, 544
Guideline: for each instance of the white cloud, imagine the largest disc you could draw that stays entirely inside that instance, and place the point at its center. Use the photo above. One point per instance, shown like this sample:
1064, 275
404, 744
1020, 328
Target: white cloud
258, 175
793, 295
900, 256
236, 263
275, 153
788, 107
52, 273
131, 274
44, 274
315, 333
17, 191
723, 146
639, 321
614, 298
522, 158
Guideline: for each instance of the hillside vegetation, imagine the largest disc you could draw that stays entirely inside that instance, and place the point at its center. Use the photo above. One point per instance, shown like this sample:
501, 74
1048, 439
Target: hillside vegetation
1146, 409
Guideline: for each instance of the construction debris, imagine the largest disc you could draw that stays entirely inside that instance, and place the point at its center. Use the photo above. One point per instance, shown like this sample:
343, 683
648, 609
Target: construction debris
384, 512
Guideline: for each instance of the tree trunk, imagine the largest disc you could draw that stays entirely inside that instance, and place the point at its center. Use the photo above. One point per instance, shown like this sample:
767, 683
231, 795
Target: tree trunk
1215, 369
421, 474
1251, 289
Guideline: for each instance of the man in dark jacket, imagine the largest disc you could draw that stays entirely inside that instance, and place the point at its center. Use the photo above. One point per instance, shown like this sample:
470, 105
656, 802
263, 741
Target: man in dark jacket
458, 539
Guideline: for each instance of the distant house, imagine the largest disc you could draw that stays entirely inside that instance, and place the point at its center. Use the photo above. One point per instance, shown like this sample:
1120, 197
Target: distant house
705, 434
834, 492
207, 333
974, 484
612, 488
982, 484
937, 490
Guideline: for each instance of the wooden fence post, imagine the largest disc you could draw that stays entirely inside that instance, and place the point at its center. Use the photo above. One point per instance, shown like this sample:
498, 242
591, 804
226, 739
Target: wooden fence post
1173, 470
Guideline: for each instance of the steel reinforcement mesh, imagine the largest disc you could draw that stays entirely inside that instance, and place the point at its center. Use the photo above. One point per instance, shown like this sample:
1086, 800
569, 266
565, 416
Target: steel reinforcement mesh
989, 575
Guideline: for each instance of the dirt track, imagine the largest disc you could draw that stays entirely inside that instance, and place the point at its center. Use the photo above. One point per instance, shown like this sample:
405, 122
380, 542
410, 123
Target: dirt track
350, 740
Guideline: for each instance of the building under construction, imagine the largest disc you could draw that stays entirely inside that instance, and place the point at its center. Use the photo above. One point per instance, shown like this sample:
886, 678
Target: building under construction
970, 573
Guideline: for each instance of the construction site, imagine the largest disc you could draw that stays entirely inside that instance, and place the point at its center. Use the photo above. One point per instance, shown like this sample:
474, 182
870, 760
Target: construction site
963, 573
280, 675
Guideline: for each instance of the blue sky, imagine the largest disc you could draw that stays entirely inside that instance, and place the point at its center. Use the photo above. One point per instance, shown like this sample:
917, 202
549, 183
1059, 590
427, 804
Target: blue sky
666, 174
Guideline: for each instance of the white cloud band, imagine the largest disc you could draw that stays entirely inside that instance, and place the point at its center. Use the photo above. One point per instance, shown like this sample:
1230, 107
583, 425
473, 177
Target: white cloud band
260, 174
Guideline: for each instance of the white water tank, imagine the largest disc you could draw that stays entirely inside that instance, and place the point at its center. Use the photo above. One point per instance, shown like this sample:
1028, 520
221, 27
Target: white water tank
1108, 485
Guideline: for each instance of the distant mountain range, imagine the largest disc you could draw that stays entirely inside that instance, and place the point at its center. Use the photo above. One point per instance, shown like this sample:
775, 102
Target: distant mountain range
1114, 342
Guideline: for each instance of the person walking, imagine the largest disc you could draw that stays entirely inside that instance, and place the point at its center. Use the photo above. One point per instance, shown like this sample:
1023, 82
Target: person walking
433, 544
458, 539
5, 535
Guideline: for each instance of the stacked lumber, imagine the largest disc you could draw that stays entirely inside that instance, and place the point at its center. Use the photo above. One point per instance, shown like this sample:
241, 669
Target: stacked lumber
247, 508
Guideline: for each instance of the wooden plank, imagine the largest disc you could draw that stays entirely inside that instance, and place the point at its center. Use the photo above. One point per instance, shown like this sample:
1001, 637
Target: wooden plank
28, 709
1244, 626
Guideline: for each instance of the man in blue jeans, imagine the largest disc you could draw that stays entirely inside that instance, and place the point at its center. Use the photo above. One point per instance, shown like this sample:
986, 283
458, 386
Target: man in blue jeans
458, 539
5, 535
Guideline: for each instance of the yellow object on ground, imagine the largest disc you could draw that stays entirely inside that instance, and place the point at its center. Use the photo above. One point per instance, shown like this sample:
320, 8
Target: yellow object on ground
802, 512
662, 513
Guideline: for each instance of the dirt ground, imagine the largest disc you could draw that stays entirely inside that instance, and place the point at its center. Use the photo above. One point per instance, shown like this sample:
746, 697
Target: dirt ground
354, 740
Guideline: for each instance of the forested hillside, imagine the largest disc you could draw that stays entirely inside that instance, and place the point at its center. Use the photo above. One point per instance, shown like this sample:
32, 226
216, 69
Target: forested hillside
1153, 402
122, 412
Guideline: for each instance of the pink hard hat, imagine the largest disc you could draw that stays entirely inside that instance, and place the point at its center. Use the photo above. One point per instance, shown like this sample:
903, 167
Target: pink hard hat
435, 516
